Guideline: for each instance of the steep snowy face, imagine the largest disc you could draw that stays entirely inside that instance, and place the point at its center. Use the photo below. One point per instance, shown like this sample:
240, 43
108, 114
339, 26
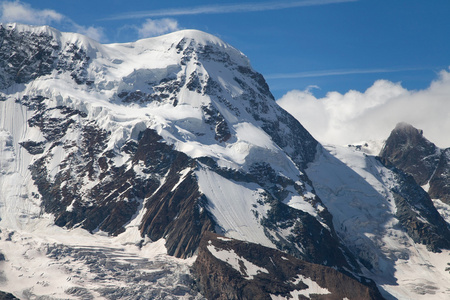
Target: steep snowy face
167, 137
216, 99
181, 82
386, 219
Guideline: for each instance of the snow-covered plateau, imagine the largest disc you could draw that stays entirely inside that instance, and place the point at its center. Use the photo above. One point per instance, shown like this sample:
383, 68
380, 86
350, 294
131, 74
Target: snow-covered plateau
164, 169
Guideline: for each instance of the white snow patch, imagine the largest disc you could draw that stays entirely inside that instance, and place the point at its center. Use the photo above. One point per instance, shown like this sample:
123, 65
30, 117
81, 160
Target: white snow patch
232, 205
313, 288
256, 136
443, 209
245, 267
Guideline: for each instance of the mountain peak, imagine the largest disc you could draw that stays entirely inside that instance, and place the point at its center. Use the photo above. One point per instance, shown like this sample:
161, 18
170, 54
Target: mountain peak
407, 149
407, 129
199, 36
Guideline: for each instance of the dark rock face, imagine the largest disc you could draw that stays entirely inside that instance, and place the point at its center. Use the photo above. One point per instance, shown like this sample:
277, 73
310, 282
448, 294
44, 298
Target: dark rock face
317, 244
417, 214
277, 274
7, 296
217, 122
33, 147
408, 150
177, 210
440, 182
75, 60
26, 56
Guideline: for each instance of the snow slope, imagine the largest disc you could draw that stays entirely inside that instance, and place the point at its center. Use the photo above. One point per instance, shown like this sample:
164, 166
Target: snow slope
355, 187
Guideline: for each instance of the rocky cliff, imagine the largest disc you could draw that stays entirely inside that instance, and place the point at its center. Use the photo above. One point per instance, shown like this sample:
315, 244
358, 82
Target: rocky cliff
408, 150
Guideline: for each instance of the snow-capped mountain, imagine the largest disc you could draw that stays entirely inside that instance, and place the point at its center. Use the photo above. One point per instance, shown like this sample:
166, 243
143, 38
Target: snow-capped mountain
125, 163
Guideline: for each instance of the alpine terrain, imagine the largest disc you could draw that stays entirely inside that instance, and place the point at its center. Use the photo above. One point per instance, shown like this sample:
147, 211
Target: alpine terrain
164, 169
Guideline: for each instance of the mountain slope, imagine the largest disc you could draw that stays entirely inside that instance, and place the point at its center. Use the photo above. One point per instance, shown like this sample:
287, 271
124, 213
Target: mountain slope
249, 271
386, 220
156, 146
163, 139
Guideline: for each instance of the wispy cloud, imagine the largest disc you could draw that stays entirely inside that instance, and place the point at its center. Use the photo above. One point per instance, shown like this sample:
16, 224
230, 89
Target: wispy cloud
17, 11
325, 73
224, 9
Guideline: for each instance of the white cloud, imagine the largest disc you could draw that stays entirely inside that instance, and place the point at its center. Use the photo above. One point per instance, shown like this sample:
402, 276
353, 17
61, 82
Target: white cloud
225, 9
17, 11
157, 27
354, 116
95, 33
23, 13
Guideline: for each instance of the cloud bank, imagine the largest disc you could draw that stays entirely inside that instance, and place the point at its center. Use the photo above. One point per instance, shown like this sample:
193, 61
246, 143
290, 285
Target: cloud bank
355, 116
16, 11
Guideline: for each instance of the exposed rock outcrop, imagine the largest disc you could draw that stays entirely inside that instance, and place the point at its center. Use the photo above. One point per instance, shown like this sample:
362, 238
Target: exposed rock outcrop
407, 149
416, 161
231, 269
7, 296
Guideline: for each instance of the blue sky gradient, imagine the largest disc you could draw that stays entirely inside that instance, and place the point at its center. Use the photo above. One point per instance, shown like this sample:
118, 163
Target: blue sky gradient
333, 45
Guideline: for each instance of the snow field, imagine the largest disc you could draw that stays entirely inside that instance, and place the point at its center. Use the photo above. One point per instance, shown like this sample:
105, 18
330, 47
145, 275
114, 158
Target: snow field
230, 203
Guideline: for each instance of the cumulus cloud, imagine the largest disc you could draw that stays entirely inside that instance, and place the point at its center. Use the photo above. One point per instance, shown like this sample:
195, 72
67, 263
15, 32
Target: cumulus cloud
152, 27
24, 13
371, 115
17, 11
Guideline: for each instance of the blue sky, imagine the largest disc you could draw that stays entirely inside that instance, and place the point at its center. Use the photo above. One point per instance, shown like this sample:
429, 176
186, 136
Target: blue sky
333, 45
304, 48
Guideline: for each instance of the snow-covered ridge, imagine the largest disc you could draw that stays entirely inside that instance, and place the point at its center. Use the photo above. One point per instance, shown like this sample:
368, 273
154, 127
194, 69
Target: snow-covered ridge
174, 84
192, 90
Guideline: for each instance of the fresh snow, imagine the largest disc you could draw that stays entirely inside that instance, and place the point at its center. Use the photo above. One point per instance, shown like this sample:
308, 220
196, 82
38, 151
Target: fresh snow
231, 205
